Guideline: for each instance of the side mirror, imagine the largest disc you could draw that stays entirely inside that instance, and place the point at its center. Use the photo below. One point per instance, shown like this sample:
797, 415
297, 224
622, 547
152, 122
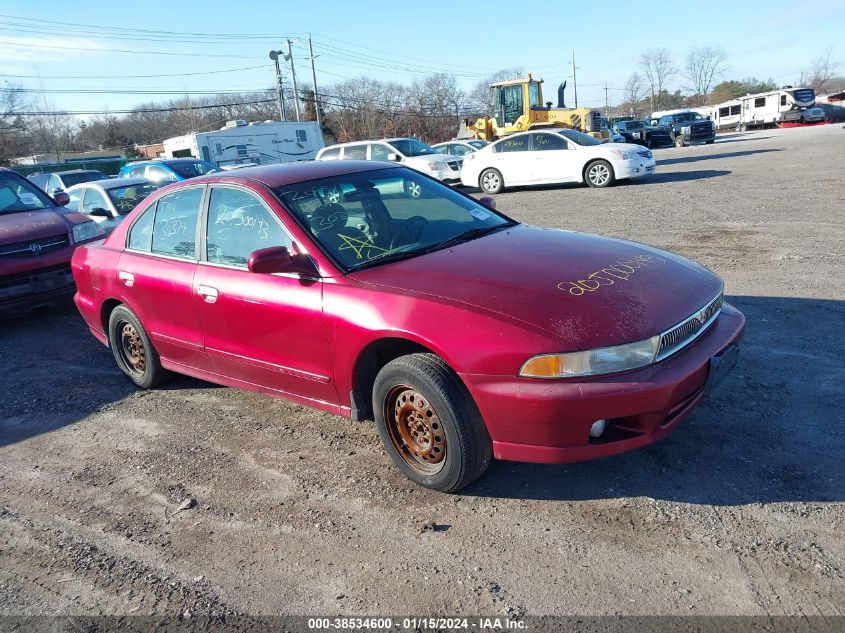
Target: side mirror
100, 212
488, 202
278, 259
61, 198
393, 157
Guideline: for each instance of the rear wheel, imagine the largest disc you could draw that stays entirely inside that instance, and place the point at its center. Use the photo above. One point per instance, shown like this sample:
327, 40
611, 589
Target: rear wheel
490, 181
133, 352
599, 174
429, 424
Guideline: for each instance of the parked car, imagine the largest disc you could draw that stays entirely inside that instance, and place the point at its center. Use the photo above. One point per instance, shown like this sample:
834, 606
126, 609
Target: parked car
166, 170
464, 334
58, 181
459, 148
553, 156
813, 115
37, 239
109, 201
408, 151
683, 128
643, 133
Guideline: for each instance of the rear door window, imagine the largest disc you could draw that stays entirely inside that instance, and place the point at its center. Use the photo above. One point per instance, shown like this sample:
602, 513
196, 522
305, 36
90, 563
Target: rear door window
330, 154
141, 233
515, 144
175, 227
355, 152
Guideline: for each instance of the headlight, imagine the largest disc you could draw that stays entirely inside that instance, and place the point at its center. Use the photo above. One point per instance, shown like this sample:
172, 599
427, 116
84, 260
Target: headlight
623, 154
86, 231
685, 129
435, 166
604, 360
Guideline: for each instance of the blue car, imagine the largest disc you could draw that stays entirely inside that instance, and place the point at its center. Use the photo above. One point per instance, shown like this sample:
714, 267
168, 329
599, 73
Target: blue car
164, 170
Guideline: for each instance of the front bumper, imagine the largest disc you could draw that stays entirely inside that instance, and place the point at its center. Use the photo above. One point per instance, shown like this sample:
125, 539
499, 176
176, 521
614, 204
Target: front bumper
634, 168
34, 289
548, 421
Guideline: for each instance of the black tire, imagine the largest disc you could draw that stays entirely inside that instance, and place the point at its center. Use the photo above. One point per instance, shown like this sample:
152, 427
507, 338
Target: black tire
679, 140
648, 143
422, 391
127, 335
599, 174
710, 142
490, 181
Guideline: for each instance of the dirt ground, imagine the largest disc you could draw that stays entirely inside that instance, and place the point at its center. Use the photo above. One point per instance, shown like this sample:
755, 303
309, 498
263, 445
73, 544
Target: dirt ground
740, 511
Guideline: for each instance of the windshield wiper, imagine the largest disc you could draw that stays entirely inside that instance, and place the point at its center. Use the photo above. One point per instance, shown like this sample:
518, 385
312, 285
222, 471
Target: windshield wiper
394, 254
470, 234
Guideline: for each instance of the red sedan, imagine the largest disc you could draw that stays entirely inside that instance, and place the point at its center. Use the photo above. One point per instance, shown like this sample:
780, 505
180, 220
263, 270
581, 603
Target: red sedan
464, 334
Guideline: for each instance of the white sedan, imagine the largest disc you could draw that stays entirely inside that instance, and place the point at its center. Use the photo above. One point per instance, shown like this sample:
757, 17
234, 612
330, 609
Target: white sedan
108, 202
553, 156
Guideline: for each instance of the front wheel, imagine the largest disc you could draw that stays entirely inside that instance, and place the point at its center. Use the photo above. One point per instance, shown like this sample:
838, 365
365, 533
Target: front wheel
491, 181
134, 353
710, 142
679, 140
429, 423
599, 174
413, 189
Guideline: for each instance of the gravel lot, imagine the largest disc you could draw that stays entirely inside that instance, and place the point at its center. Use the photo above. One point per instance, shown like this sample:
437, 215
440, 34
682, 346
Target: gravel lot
740, 511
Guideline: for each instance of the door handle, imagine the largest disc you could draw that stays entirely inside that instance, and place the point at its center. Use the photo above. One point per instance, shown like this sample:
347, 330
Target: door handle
127, 278
208, 293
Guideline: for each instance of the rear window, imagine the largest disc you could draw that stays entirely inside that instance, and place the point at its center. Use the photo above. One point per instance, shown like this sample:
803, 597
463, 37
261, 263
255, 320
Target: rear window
87, 176
191, 169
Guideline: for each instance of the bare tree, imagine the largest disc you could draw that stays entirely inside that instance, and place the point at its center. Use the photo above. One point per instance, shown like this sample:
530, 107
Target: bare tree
657, 66
634, 92
13, 132
704, 63
822, 70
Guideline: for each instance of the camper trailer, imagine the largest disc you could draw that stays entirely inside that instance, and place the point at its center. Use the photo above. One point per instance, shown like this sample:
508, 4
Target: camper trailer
242, 143
766, 109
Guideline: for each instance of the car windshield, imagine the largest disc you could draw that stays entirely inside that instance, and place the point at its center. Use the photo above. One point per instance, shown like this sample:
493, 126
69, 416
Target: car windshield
18, 194
192, 169
478, 144
127, 198
579, 138
688, 116
370, 218
86, 176
633, 125
411, 147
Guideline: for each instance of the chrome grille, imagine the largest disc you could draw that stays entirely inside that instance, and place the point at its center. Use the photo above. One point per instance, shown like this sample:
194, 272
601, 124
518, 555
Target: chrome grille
455, 164
645, 153
34, 248
689, 329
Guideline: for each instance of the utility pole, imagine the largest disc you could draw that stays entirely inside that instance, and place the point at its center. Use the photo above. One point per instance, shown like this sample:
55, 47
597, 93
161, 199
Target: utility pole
293, 79
606, 103
314, 79
274, 55
574, 79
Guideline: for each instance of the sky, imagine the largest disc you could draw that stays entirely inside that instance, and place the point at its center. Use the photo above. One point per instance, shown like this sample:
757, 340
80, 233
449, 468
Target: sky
213, 46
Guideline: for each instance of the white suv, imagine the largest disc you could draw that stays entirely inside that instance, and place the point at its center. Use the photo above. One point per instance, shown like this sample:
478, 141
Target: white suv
407, 151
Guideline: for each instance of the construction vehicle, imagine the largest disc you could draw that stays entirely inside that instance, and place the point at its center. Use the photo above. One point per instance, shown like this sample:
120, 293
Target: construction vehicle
518, 106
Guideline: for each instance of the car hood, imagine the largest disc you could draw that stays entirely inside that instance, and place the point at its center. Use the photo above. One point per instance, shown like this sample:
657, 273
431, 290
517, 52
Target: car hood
585, 290
435, 158
33, 225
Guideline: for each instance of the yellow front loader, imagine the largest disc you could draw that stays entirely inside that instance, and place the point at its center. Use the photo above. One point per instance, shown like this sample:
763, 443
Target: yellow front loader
518, 106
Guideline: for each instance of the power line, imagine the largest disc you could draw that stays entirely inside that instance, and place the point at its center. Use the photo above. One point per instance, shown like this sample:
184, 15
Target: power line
141, 110
203, 72
121, 50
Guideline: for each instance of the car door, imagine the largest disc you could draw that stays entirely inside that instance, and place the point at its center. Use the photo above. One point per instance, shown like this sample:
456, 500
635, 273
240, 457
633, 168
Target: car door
554, 161
263, 329
514, 160
156, 274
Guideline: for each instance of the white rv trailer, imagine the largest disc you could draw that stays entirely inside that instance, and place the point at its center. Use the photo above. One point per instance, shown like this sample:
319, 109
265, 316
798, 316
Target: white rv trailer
776, 106
240, 142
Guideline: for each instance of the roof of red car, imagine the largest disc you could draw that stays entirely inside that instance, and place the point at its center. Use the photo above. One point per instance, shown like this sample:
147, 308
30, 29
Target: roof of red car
289, 173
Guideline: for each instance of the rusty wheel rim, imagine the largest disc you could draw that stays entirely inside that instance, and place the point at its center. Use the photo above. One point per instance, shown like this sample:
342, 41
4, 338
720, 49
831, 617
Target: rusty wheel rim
132, 348
415, 429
